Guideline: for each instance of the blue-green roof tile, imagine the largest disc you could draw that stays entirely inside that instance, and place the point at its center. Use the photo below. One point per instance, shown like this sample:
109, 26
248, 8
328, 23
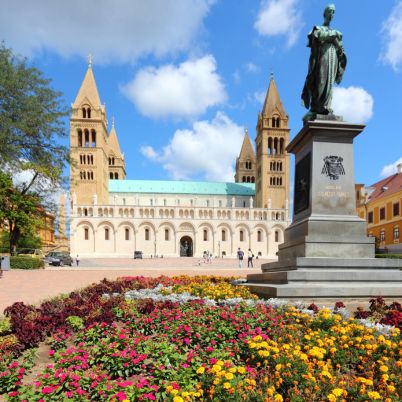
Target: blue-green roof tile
181, 187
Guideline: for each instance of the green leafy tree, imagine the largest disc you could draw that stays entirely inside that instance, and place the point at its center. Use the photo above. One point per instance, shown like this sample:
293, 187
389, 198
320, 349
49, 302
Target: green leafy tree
20, 214
32, 132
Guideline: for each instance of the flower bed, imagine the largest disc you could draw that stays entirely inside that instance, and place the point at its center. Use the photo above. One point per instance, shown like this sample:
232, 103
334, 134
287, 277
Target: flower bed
184, 339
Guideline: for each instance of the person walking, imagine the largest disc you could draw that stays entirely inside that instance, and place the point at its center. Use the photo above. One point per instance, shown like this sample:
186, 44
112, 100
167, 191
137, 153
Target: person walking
250, 257
77, 260
240, 255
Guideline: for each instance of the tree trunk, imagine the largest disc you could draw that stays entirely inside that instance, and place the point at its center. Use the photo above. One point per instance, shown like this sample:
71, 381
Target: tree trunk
14, 237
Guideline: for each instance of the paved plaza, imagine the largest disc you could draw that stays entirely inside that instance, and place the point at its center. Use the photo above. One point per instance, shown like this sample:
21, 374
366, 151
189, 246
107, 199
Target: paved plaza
37, 285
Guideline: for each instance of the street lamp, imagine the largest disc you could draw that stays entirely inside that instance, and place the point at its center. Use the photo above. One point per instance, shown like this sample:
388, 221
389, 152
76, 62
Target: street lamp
219, 249
155, 247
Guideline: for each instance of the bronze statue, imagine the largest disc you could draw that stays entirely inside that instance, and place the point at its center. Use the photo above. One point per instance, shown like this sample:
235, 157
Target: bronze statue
326, 65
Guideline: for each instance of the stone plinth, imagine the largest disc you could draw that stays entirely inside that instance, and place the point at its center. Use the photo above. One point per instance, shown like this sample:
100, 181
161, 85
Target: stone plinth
326, 250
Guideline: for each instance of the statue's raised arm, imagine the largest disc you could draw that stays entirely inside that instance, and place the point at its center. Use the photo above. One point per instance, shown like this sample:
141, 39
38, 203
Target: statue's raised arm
326, 65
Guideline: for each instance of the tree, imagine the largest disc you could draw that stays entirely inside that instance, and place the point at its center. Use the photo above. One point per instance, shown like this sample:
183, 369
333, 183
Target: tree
20, 214
32, 127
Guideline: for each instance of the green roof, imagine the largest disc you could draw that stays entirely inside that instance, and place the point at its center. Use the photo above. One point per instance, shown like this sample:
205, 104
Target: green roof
181, 187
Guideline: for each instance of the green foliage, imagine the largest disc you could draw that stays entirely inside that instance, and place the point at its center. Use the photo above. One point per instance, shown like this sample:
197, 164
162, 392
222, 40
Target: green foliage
5, 326
20, 211
75, 322
393, 256
17, 262
29, 240
31, 118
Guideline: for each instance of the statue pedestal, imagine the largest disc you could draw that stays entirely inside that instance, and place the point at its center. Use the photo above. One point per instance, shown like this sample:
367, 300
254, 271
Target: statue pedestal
326, 250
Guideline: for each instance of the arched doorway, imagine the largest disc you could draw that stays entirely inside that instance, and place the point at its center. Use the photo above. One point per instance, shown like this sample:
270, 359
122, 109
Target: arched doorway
186, 246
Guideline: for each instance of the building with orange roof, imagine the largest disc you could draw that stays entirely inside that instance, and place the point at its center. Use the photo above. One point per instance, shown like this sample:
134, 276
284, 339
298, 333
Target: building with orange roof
381, 206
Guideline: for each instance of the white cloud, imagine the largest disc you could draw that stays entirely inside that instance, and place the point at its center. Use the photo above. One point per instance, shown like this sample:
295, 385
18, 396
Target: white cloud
252, 68
236, 77
390, 169
280, 17
259, 96
209, 149
392, 28
355, 104
113, 31
178, 91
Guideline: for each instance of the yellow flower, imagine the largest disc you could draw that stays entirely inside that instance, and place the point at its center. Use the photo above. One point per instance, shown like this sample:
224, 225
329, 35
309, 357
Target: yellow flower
391, 389
229, 376
278, 398
226, 385
383, 369
174, 391
178, 399
374, 395
331, 398
337, 391
241, 370
201, 370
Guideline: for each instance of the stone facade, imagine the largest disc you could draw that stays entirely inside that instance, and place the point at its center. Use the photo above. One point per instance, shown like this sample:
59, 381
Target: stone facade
113, 217
381, 206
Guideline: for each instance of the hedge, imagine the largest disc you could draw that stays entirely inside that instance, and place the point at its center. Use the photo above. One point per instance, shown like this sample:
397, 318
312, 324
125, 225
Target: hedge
395, 256
17, 262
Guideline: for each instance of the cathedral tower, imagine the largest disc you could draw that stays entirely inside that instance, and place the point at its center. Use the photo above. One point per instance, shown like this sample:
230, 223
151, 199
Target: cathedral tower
273, 164
117, 169
246, 163
95, 156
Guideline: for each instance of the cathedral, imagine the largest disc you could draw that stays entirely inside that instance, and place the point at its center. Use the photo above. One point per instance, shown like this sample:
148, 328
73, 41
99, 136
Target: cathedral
112, 216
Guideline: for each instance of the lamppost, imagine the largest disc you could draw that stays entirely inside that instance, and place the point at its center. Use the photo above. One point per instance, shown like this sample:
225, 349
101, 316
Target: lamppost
155, 248
219, 249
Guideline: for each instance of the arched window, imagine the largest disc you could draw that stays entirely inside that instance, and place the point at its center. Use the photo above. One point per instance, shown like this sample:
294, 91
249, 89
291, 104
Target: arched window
241, 235
281, 146
86, 233
84, 174
116, 176
276, 236
93, 132
259, 235
252, 179
80, 138
85, 212
275, 146
110, 160
278, 122
127, 233
223, 235
86, 142
146, 234
111, 175
244, 179
106, 233
248, 179
89, 113
270, 146
84, 113
166, 234
205, 234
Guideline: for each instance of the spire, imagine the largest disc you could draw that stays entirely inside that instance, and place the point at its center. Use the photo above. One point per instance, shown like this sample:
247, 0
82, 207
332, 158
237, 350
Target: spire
113, 141
88, 91
247, 150
272, 100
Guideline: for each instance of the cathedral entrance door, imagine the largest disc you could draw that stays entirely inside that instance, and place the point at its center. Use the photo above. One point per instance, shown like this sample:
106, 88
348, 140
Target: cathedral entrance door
186, 246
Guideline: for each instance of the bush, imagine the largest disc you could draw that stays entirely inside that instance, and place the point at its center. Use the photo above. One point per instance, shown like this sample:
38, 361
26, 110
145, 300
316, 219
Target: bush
395, 256
17, 262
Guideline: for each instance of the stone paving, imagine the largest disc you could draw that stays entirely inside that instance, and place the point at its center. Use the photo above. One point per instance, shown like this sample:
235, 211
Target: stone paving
37, 285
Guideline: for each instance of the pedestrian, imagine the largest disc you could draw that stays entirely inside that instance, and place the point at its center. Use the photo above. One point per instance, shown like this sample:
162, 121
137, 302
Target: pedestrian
250, 257
77, 260
240, 255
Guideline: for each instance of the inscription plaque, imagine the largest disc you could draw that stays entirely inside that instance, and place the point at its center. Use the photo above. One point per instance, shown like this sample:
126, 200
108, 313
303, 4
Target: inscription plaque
302, 184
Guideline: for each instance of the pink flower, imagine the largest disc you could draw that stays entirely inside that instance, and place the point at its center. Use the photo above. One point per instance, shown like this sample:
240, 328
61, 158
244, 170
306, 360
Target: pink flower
47, 390
51, 352
13, 393
121, 396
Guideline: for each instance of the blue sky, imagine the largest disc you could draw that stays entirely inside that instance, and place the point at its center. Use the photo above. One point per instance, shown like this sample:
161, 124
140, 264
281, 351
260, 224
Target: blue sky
183, 78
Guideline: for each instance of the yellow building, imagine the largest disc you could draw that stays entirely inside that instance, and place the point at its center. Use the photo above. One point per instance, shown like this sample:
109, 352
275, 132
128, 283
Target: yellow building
381, 206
